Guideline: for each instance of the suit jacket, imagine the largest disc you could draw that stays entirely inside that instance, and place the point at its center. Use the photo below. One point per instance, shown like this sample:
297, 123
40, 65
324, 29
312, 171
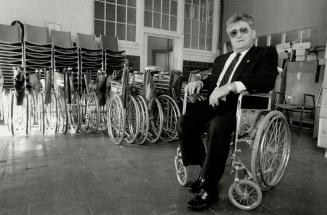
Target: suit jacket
257, 71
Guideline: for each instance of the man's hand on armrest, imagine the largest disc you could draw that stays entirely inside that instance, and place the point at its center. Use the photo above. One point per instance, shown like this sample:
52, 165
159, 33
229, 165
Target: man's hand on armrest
194, 87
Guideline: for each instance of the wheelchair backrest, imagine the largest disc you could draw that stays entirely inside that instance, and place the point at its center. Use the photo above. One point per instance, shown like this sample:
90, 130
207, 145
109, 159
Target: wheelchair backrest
148, 86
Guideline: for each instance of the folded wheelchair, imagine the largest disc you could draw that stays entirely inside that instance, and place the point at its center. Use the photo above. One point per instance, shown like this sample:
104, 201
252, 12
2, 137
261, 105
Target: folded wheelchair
260, 149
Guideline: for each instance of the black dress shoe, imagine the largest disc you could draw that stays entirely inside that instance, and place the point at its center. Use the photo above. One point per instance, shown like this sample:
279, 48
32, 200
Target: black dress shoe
202, 201
196, 186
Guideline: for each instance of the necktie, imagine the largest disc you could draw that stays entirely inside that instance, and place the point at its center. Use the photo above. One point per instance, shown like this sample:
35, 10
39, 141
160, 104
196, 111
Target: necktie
229, 70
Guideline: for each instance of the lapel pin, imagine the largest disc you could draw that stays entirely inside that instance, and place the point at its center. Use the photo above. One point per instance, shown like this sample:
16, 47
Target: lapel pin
248, 61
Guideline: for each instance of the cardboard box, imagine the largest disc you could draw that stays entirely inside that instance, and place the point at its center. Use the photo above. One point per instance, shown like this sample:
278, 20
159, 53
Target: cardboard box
312, 57
300, 58
322, 133
299, 52
305, 45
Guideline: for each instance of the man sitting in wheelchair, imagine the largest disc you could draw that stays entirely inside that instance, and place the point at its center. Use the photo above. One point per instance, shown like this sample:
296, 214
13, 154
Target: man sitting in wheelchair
247, 68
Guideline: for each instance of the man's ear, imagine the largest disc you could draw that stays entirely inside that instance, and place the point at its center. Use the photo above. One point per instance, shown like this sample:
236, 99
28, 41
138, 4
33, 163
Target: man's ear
254, 34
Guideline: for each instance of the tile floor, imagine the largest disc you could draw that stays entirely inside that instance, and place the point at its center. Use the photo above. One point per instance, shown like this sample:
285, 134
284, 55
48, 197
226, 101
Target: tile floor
79, 175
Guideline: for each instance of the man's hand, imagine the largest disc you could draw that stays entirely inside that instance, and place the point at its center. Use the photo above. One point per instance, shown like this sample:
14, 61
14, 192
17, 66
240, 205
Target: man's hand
218, 93
193, 87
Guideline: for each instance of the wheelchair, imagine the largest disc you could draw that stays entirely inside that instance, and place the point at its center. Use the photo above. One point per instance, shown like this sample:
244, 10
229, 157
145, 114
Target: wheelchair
43, 102
260, 149
101, 92
168, 88
89, 106
18, 104
68, 100
151, 120
123, 113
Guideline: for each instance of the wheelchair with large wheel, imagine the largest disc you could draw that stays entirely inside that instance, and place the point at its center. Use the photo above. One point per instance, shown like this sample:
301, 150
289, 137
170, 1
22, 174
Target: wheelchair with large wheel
18, 104
260, 149
168, 88
152, 116
89, 106
123, 113
43, 102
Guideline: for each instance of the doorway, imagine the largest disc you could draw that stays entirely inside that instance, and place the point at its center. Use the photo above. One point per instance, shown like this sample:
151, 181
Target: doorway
160, 52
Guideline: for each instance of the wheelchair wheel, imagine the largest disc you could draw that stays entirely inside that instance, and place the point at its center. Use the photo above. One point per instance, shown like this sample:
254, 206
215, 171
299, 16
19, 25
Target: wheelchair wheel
62, 115
185, 174
102, 118
51, 114
2, 99
41, 111
34, 108
73, 112
271, 149
132, 124
245, 194
6, 100
116, 119
89, 113
144, 120
171, 114
155, 121
19, 114
181, 170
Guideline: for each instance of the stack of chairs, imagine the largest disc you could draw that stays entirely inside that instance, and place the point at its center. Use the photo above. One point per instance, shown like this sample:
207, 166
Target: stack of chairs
65, 55
11, 53
113, 58
37, 50
90, 57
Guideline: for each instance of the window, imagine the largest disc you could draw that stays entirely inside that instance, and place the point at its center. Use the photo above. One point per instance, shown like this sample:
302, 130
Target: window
115, 18
161, 14
198, 24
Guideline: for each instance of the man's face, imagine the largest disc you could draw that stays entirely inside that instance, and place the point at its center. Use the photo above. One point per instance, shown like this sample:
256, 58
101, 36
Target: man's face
241, 36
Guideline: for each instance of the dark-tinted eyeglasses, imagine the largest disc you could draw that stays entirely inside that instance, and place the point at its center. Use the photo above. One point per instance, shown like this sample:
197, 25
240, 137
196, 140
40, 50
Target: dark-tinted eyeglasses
242, 30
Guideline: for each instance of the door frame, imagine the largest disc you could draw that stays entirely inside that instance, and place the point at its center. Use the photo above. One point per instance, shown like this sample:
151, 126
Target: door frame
177, 51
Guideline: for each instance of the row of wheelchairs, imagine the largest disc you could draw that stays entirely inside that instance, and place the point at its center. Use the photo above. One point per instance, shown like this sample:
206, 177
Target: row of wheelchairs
135, 107
260, 148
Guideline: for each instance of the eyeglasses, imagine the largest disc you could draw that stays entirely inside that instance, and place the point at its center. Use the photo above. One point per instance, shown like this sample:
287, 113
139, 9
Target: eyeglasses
242, 30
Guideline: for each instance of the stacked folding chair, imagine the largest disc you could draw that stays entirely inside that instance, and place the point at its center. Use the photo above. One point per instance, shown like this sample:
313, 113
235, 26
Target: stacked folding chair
65, 55
113, 59
11, 53
90, 56
37, 50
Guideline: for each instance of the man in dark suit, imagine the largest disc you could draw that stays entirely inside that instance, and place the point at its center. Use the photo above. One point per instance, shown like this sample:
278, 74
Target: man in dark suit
247, 68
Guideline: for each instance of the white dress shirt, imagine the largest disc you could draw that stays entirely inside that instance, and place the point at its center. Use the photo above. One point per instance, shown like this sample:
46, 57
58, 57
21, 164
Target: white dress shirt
239, 85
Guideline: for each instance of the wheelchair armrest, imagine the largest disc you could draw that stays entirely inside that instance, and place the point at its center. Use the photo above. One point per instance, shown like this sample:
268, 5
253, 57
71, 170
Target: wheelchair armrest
260, 101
